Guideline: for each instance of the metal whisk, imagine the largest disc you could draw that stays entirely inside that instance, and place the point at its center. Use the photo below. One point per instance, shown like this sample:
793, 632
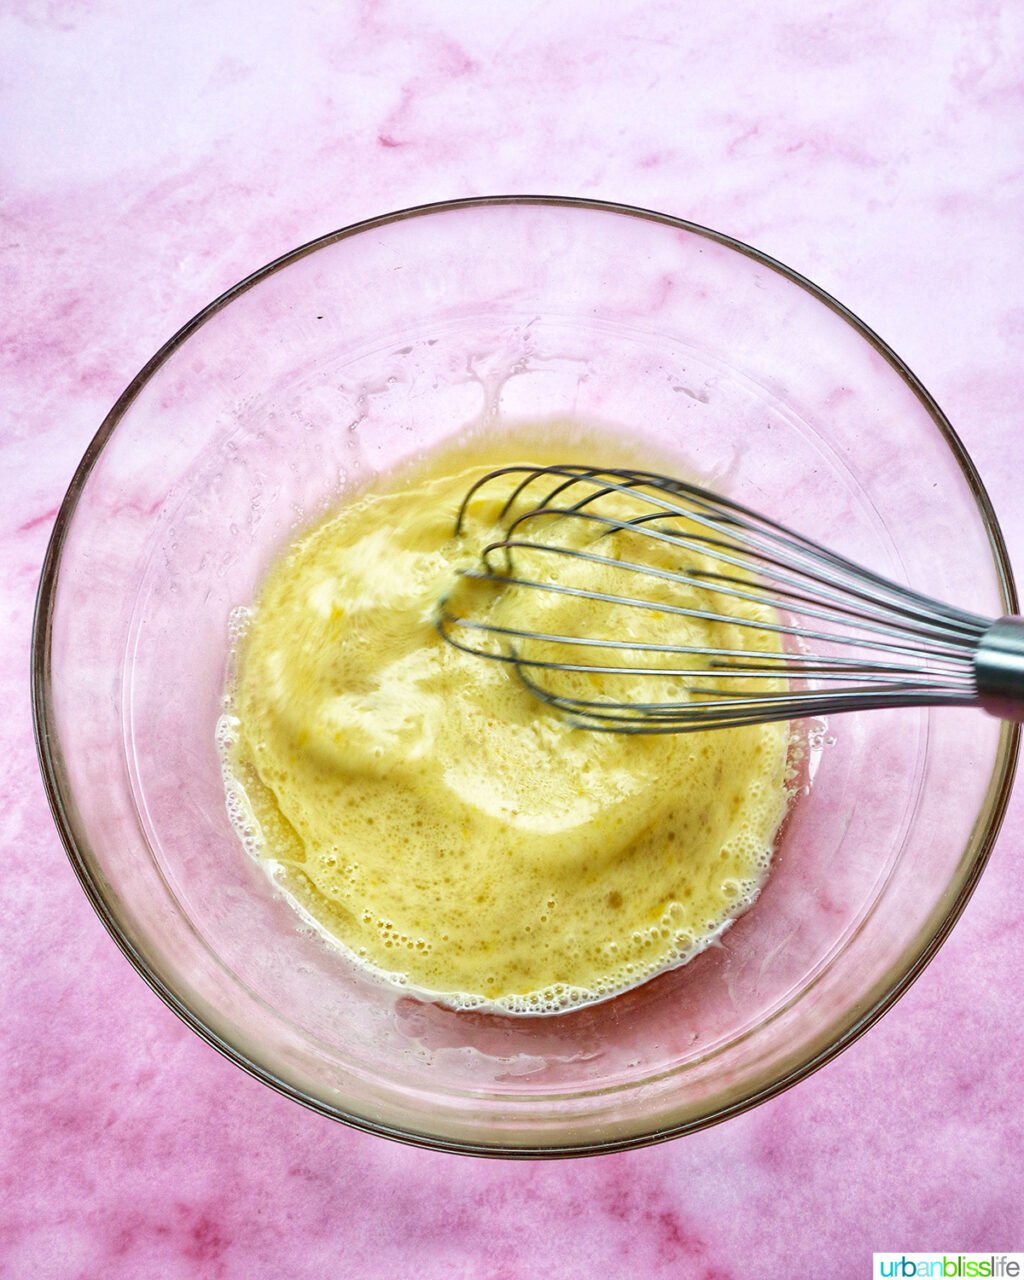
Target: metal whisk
644, 560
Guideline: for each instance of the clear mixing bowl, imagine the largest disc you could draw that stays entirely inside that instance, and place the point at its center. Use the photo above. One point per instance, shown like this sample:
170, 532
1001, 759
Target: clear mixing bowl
369, 346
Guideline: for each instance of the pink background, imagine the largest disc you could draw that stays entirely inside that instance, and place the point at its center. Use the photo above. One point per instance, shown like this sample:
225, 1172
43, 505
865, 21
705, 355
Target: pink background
150, 155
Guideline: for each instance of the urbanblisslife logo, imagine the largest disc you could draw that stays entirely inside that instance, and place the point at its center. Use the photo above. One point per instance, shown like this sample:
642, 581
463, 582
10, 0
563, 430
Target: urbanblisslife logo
948, 1266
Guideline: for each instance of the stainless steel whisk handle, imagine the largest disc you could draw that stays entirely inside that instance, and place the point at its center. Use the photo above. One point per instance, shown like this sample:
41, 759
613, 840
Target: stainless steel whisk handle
999, 669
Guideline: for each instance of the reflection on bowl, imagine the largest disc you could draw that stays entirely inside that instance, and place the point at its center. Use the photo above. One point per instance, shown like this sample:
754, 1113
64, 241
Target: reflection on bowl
358, 352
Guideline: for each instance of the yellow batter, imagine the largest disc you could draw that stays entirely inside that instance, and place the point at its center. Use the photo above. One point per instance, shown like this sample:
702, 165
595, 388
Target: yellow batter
433, 818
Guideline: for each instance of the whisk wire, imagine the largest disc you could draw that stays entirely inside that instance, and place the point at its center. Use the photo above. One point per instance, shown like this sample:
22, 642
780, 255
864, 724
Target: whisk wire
826, 634
720, 511
835, 617
767, 555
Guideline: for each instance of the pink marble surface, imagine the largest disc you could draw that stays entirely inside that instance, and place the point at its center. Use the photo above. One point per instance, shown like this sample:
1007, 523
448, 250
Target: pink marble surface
151, 155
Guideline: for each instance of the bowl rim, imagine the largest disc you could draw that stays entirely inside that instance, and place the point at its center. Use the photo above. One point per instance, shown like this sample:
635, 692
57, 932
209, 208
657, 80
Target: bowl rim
875, 1003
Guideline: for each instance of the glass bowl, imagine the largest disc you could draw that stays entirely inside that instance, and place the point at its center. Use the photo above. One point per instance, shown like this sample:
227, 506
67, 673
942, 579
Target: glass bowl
360, 350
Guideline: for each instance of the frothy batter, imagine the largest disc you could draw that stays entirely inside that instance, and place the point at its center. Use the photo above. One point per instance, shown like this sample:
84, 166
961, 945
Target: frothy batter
435, 820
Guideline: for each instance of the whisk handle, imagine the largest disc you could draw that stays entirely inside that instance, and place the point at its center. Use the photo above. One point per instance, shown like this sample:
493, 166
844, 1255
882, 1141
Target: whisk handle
999, 669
